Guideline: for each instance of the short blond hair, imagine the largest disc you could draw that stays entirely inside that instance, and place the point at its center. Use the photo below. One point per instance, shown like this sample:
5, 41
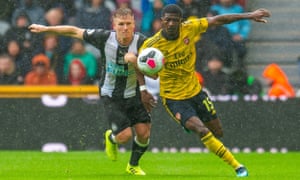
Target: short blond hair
122, 12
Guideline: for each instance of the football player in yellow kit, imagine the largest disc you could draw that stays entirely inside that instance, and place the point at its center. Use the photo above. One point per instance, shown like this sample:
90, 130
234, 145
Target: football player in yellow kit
180, 90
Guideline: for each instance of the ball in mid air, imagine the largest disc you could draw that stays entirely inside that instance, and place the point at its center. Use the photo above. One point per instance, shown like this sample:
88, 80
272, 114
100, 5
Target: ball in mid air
150, 61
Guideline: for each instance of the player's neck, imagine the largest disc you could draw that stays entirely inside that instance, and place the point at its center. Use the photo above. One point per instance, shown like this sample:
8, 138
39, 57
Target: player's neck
168, 37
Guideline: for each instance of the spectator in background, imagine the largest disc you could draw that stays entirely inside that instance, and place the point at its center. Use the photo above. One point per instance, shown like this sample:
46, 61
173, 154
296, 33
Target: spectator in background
2, 45
278, 82
51, 48
156, 26
146, 5
35, 12
241, 83
6, 10
110, 4
242, 3
19, 31
239, 30
9, 74
41, 74
194, 8
216, 81
77, 74
4, 27
54, 17
21, 56
68, 7
151, 16
93, 15
216, 40
78, 51
136, 4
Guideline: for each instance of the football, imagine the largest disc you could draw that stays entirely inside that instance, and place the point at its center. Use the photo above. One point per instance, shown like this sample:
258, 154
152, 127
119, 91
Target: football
150, 61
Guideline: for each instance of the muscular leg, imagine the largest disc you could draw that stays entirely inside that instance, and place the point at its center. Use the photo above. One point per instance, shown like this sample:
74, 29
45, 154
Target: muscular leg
140, 142
210, 141
215, 127
123, 136
195, 124
142, 131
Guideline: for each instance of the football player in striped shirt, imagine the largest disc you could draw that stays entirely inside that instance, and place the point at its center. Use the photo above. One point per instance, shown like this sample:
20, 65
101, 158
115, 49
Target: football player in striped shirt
127, 102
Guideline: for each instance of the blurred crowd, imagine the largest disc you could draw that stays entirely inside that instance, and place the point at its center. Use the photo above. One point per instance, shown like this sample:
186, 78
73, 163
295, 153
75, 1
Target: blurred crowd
47, 59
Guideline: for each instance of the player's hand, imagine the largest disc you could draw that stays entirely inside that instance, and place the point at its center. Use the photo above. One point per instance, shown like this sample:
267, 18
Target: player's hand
130, 57
148, 100
260, 14
37, 28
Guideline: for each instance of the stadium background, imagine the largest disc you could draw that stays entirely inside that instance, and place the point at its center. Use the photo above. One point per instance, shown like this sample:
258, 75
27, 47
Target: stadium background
27, 123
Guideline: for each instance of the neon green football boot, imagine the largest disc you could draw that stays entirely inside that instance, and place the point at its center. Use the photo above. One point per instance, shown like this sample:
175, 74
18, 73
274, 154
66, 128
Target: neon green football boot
111, 148
135, 170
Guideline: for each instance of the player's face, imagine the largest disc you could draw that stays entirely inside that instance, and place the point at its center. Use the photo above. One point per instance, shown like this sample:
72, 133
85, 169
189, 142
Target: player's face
124, 27
171, 25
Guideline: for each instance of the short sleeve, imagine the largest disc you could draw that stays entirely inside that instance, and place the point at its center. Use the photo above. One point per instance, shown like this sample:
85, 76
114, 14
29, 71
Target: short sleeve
96, 37
201, 25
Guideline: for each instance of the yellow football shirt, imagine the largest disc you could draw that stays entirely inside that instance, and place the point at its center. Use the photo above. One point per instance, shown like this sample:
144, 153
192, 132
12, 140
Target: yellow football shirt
177, 78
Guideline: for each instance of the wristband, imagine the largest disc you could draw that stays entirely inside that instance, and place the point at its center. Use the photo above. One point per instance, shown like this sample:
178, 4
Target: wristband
143, 88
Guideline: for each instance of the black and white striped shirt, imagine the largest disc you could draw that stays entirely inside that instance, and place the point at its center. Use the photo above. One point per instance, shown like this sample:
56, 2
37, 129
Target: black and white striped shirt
119, 77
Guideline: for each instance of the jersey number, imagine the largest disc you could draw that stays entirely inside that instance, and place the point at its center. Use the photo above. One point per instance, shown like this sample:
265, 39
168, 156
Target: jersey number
209, 105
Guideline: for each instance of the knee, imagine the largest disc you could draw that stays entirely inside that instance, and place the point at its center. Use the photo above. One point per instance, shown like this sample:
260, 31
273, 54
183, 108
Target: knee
197, 127
143, 132
144, 136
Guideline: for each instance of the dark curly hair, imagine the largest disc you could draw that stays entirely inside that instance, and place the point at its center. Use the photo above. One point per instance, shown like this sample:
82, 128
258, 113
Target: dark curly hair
172, 8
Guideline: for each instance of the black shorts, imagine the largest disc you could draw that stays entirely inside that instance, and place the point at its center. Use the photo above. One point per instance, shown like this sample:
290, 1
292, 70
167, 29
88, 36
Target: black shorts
123, 113
199, 105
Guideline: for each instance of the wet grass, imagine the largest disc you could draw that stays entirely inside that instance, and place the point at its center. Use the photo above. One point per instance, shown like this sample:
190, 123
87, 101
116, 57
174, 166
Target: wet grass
23, 165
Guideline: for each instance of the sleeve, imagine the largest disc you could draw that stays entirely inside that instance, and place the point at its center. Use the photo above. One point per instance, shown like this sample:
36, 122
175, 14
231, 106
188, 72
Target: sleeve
202, 25
96, 37
141, 41
196, 26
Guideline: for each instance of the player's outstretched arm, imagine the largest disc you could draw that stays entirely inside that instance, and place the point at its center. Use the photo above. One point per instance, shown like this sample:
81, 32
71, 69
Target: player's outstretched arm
63, 30
258, 15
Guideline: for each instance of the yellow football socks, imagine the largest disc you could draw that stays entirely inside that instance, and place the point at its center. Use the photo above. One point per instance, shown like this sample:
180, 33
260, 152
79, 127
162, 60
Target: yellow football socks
217, 147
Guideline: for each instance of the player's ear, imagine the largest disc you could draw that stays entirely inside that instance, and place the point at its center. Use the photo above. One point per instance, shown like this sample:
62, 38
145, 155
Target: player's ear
112, 19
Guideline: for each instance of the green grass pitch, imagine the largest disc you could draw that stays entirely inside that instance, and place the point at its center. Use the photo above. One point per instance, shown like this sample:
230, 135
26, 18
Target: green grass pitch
86, 165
